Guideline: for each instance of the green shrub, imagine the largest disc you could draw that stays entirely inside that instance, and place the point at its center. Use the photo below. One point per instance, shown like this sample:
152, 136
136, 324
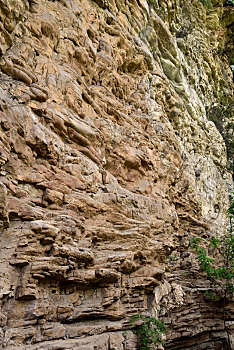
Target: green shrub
150, 331
207, 3
219, 269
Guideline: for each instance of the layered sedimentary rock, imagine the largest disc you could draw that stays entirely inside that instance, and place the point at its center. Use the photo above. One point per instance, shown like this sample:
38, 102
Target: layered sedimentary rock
109, 166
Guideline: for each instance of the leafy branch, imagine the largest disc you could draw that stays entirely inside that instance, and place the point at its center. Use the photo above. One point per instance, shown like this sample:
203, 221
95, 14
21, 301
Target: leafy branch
207, 3
219, 270
150, 331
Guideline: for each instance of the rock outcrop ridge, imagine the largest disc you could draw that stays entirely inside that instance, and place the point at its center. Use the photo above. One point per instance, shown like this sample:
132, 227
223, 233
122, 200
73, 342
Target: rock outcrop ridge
109, 166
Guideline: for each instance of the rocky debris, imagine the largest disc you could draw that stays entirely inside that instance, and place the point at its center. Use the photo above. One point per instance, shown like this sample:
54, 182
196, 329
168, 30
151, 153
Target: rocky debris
108, 166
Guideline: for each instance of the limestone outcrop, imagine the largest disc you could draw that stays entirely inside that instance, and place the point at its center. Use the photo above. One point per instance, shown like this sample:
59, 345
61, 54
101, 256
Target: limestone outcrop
108, 166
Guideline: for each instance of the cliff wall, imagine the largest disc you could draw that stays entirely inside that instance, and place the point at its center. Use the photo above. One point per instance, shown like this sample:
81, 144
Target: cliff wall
109, 165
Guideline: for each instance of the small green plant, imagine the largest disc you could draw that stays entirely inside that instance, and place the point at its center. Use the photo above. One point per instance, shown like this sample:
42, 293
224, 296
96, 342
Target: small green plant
207, 3
220, 276
173, 257
150, 331
219, 269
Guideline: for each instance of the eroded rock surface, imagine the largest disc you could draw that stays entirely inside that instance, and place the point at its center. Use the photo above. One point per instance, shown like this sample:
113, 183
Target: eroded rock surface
108, 167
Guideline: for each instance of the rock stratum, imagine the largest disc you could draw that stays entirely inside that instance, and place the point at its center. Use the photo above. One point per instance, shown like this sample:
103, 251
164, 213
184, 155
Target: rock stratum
109, 165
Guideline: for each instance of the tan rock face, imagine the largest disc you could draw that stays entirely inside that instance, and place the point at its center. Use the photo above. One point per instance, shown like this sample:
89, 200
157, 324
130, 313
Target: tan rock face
108, 165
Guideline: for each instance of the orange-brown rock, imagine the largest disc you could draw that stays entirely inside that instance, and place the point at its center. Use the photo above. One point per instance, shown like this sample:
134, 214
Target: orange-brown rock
108, 166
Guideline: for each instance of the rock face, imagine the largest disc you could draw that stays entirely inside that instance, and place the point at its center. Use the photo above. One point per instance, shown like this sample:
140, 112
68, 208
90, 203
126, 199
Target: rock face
109, 166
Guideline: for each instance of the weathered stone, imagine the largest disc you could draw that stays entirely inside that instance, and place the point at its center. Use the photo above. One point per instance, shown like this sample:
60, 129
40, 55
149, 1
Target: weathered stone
109, 166
4, 219
78, 138
39, 95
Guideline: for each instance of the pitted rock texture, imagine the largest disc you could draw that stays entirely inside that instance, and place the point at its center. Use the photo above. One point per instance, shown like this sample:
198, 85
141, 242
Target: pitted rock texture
109, 166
